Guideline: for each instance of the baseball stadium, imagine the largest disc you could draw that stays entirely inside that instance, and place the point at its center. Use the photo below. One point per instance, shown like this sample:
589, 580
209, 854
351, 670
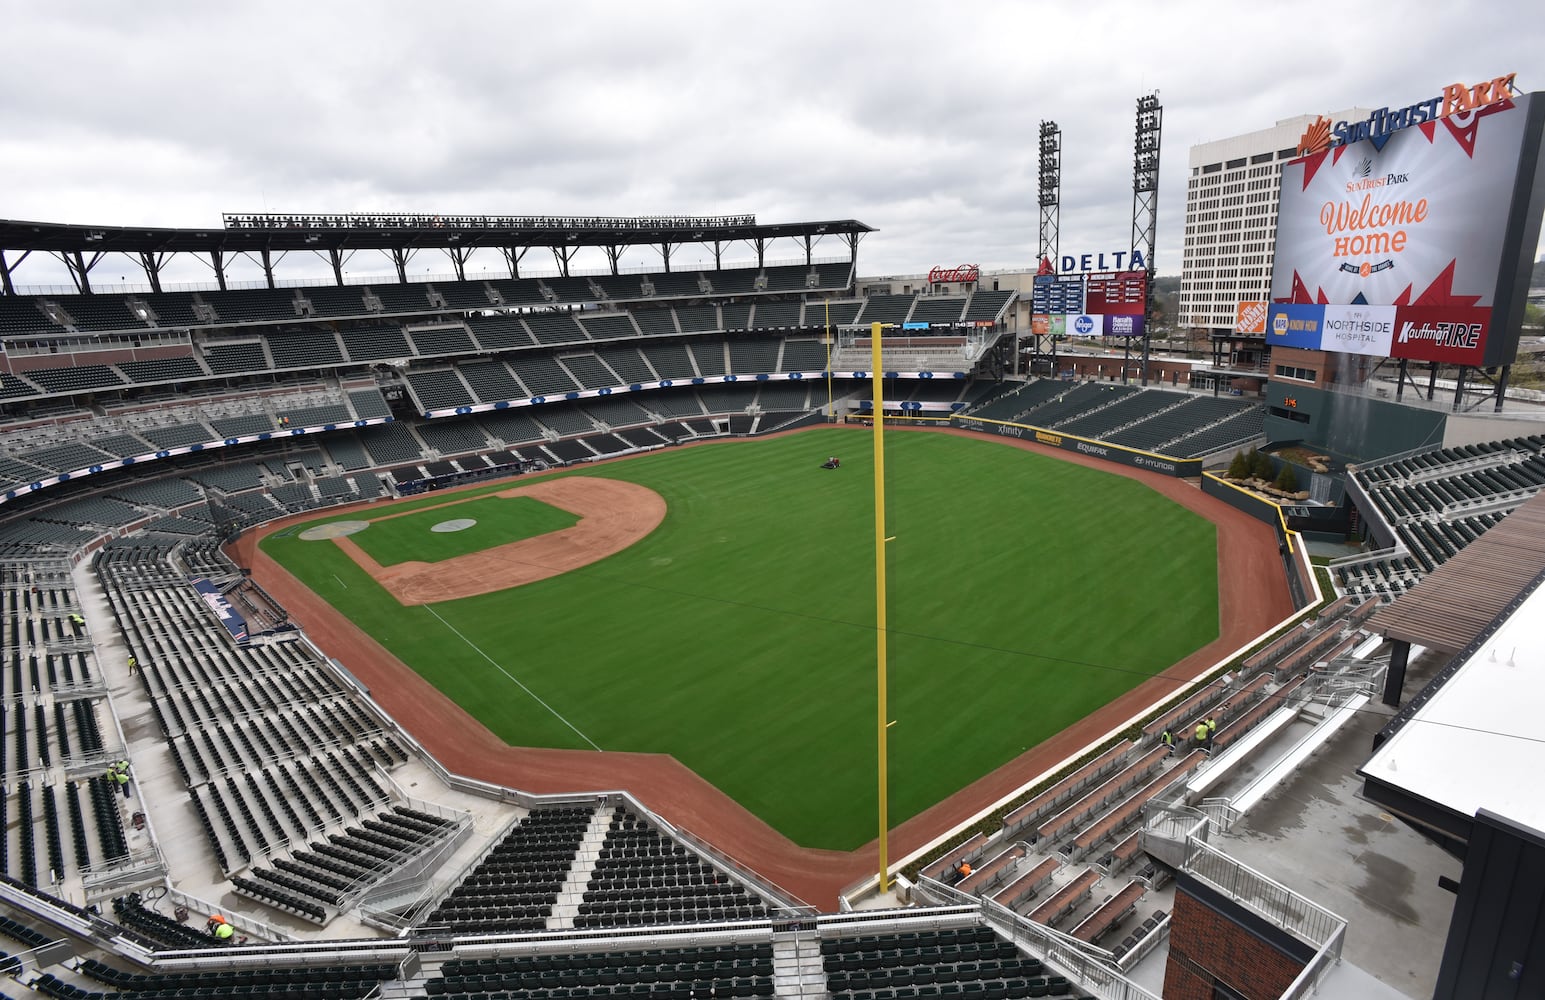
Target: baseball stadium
763, 629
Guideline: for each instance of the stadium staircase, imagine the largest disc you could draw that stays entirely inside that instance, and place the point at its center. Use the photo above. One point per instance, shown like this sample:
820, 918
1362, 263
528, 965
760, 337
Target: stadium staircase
798, 967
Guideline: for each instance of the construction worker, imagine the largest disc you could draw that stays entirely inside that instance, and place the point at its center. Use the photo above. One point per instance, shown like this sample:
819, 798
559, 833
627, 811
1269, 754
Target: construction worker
224, 931
1168, 739
120, 774
133, 665
1203, 735
78, 623
1212, 727
214, 922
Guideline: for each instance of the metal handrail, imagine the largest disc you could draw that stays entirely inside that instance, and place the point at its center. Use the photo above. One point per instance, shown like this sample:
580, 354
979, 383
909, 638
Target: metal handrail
1308, 980
1294, 913
1085, 964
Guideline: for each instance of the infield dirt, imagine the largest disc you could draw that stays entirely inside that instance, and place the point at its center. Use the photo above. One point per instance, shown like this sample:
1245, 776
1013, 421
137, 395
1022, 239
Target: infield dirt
613, 515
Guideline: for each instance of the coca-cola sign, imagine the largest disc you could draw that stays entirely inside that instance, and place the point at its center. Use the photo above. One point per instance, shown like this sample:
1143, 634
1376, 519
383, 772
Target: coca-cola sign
943, 275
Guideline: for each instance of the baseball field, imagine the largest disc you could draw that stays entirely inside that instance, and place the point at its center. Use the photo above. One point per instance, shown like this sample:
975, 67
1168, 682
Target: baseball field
716, 603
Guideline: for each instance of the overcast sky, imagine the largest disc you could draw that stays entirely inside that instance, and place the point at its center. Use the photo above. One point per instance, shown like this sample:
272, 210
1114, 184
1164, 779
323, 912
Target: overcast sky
919, 119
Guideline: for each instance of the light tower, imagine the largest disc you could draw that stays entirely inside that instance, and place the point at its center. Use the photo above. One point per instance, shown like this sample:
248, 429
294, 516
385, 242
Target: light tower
1049, 195
1145, 203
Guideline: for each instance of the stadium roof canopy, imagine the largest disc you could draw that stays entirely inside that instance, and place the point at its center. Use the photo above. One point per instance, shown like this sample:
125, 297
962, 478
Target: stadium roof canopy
252, 233
400, 235
1470, 739
1455, 603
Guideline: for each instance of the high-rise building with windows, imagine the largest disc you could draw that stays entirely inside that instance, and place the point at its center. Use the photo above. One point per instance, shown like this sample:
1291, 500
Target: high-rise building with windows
1231, 219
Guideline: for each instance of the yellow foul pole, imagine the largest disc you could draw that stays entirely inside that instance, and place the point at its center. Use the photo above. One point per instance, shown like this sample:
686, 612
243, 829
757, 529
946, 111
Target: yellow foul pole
877, 372
830, 412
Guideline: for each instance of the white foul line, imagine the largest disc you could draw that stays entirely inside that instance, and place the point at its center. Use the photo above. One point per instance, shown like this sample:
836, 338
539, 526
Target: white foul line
512, 677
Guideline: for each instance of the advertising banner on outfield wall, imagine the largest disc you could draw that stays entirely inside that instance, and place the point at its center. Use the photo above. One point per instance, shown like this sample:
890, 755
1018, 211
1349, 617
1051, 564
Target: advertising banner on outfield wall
1453, 335
1358, 329
1181, 468
1294, 325
1122, 326
1086, 325
1048, 324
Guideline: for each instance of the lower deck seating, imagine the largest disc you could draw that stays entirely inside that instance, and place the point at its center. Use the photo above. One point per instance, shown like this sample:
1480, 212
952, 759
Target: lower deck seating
722, 970
963, 962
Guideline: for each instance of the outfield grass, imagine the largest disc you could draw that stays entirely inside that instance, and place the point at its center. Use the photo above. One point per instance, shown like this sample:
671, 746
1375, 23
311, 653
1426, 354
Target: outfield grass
1024, 593
500, 520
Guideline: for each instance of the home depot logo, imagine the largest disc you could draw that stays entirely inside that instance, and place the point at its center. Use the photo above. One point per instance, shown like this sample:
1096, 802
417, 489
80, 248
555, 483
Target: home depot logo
1251, 318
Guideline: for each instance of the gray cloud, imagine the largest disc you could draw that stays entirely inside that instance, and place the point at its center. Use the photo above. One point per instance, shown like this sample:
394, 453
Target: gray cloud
919, 119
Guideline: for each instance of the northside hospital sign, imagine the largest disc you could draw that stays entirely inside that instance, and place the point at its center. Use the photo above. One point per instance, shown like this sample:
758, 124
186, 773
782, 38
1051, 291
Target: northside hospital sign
1392, 232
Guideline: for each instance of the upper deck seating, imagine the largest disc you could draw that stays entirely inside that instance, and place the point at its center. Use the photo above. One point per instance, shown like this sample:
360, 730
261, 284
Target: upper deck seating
986, 304
375, 343
253, 305
402, 298
938, 309
311, 349
226, 358
443, 340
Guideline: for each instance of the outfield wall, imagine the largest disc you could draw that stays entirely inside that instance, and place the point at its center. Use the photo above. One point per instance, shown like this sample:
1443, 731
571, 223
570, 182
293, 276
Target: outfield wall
1180, 468
1295, 561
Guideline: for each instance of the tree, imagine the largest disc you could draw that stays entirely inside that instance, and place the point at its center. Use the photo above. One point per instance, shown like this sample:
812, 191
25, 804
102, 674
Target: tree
1287, 479
1239, 468
1260, 465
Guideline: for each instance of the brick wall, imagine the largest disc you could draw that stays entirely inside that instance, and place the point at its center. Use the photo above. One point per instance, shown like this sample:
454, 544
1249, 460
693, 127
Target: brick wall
1208, 945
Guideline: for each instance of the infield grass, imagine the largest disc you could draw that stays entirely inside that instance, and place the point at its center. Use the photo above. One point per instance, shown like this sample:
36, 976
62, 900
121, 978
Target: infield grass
1024, 593
500, 520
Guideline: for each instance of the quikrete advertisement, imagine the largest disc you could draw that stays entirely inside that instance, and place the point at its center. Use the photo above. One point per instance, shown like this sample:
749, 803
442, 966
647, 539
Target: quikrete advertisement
1391, 231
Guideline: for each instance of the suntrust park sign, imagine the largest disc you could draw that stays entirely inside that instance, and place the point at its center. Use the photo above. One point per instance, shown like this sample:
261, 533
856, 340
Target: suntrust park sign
1378, 127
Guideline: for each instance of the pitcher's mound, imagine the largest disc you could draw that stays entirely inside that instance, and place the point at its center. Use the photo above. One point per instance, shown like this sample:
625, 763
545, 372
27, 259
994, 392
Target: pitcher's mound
460, 524
336, 529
